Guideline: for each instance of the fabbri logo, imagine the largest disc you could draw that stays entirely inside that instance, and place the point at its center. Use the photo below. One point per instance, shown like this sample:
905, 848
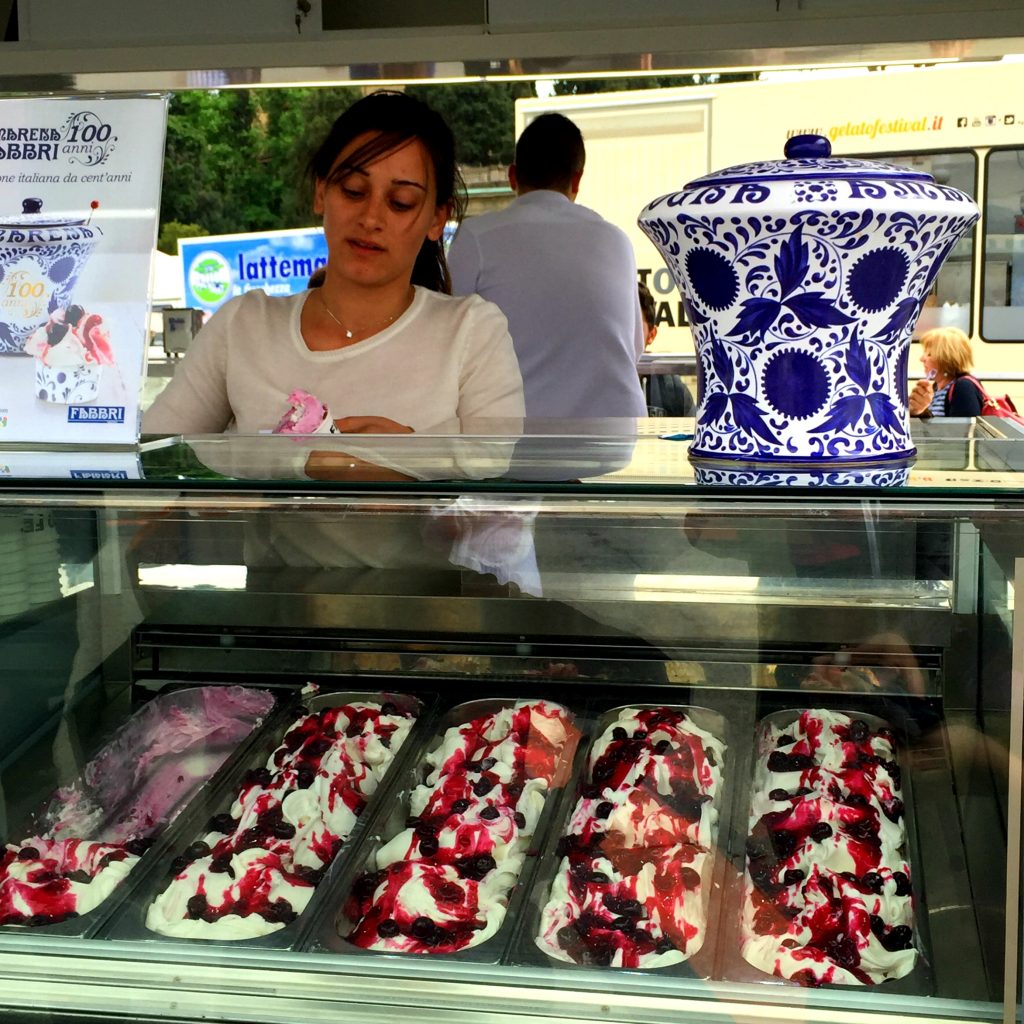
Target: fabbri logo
99, 474
84, 138
209, 277
95, 414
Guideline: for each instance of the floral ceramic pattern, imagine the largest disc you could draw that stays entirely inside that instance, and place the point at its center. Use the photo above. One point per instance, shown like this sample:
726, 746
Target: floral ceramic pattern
802, 314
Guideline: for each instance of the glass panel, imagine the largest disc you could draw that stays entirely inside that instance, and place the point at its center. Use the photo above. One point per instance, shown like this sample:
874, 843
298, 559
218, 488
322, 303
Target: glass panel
740, 607
948, 304
1002, 313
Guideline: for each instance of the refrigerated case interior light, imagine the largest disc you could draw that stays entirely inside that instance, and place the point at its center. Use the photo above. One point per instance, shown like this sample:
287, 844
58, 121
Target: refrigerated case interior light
193, 577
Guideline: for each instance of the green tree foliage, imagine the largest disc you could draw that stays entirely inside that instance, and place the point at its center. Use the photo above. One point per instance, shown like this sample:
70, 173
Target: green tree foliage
172, 231
482, 115
237, 160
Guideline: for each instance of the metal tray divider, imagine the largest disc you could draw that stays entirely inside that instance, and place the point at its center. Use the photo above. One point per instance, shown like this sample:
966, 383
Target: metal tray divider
329, 938
89, 924
130, 921
524, 952
731, 965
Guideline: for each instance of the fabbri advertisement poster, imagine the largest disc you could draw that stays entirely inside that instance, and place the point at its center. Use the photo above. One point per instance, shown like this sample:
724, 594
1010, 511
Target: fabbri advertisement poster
79, 204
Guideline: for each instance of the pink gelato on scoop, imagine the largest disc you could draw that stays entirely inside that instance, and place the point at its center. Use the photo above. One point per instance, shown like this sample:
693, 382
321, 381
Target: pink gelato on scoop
306, 415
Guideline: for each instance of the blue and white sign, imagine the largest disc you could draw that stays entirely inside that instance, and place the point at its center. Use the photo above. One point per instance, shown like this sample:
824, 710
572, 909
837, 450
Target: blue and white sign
219, 267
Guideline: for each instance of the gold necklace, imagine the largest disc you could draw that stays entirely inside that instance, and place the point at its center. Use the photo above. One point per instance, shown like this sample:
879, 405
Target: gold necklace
350, 334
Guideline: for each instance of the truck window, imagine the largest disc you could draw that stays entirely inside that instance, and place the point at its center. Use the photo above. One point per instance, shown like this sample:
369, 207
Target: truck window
1002, 282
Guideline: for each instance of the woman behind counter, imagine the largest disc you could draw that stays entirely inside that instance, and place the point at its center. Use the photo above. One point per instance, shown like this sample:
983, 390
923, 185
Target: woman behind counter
382, 343
947, 389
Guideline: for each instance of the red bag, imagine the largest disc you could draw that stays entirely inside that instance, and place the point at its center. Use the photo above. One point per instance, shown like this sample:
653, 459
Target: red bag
1001, 405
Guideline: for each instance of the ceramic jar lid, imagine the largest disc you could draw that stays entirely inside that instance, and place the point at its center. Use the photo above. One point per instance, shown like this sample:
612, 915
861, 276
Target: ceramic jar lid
32, 217
808, 157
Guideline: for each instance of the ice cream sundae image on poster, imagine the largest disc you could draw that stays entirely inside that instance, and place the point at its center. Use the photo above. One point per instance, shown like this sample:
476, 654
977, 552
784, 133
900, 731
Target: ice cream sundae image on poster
41, 259
79, 191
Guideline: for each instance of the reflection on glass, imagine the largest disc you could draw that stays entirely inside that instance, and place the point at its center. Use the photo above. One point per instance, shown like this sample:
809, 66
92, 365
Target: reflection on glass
1002, 315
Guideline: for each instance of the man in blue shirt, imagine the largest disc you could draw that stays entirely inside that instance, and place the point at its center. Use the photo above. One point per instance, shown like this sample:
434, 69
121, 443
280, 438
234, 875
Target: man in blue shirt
564, 277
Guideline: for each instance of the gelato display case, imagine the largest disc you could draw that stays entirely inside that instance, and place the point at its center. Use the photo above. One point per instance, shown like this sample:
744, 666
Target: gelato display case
520, 723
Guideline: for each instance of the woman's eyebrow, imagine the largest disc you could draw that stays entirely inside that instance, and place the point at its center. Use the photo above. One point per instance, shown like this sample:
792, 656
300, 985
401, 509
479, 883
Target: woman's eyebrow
414, 184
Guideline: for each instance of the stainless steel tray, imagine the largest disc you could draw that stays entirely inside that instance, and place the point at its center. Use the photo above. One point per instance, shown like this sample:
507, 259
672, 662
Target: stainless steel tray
700, 964
330, 934
88, 924
730, 963
130, 921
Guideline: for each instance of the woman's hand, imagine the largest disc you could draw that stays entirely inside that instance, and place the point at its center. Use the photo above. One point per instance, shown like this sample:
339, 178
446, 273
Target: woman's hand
921, 397
370, 425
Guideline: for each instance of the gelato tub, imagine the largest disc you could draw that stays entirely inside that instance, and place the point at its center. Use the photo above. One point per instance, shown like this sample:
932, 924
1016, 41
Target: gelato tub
633, 878
266, 840
829, 895
443, 869
93, 832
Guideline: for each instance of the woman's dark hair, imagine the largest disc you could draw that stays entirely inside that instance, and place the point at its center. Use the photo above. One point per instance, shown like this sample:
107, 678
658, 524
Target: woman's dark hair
398, 118
647, 306
549, 153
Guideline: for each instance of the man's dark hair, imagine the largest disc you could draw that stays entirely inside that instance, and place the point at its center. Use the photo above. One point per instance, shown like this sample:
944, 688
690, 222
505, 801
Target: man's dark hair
549, 153
647, 307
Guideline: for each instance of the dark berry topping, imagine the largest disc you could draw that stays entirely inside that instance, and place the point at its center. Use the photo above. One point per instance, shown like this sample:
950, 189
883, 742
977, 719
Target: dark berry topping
821, 831
598, 878
863, 830
662, 747
784, 741
618, 733
198, 849
640, 734
279, 912
450, 892
387, 929
179, 864
793, 876
196, 906
425, 830
282, 830
388, 708
520, 819
428, 847
603, 809
476, 868
460, 807
710, 758
780, 762
786, 842
843, 950
778, 794
422, 928
872, 881
902, 883
483, 787
81, 877
221, 865
488, 763
665, 945
899, 937
803, 791
490, 813
858, 731
305, 777
28, 853
223, 823
138, 846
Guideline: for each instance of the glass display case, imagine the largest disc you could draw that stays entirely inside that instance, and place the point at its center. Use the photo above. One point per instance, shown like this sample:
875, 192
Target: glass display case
769, 767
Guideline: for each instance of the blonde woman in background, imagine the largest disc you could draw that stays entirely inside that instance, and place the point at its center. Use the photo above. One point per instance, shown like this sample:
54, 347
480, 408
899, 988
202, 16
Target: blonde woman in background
947, 389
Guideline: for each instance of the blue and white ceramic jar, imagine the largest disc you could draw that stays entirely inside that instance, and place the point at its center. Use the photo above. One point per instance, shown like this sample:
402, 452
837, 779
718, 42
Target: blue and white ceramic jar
41, 257
802, 280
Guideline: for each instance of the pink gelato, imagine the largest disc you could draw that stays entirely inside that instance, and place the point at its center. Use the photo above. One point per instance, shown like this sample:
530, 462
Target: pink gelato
306, 415
93, 832
71, 337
